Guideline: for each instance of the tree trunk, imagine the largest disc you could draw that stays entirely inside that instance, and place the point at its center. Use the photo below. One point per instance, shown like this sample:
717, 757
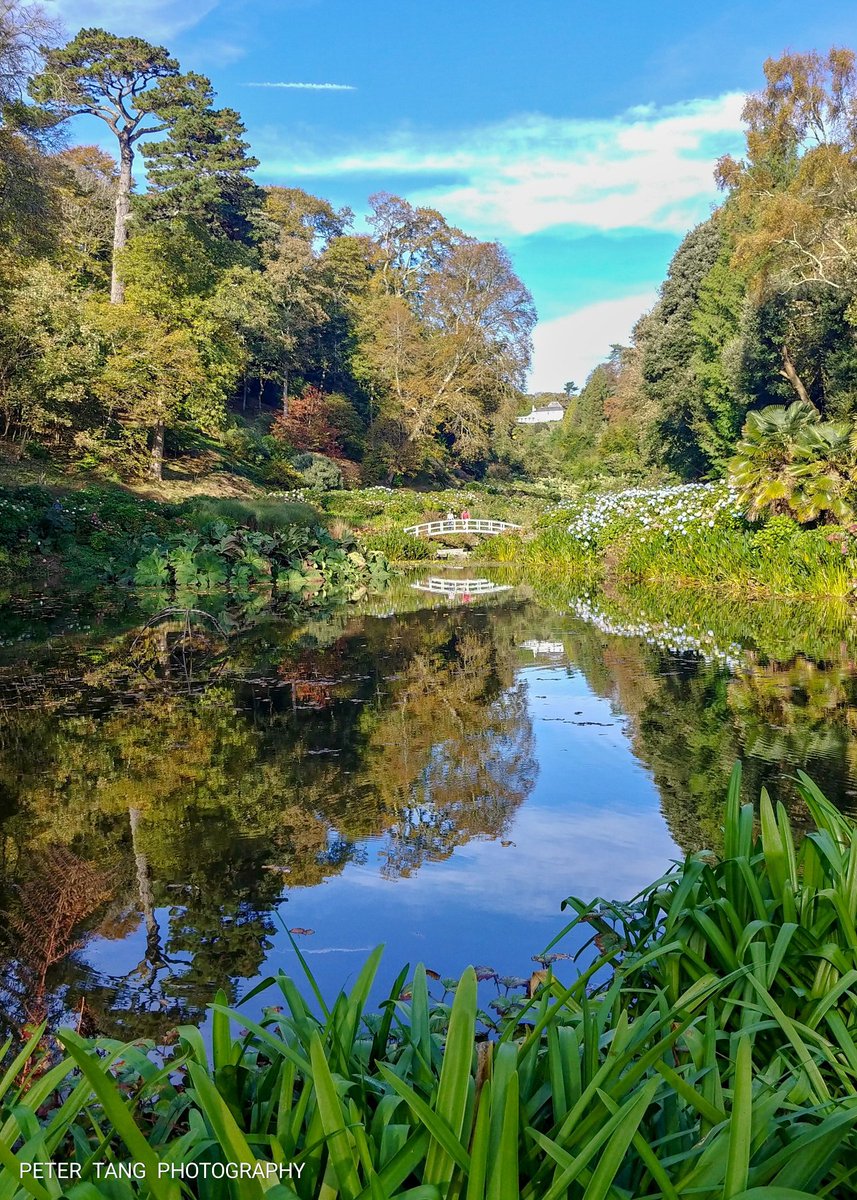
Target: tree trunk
789, 372
286, 392
123, 208
157, 459
141, 864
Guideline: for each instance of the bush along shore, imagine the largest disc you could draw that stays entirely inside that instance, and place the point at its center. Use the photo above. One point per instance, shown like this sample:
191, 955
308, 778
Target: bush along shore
709, 1050
690, 533
105, 535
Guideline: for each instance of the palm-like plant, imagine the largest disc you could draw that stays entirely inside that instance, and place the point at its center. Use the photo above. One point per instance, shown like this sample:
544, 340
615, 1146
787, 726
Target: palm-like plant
790, 461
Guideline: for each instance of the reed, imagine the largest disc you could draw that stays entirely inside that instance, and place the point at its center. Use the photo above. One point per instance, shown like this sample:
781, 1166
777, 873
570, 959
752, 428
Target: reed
716, 1060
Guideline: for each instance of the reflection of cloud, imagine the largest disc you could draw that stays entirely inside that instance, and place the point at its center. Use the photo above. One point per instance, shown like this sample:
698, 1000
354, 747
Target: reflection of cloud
308, 87
145, 18
584, 851
568, 347
647, 168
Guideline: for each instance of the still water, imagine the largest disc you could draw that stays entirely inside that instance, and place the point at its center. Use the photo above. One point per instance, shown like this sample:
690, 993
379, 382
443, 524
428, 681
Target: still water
434, 770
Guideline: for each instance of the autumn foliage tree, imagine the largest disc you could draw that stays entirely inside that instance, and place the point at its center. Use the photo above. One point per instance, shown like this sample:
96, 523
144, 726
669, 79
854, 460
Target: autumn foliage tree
309, 424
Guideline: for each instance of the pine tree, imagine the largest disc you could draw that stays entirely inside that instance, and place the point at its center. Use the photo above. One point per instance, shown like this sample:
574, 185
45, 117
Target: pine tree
201, 172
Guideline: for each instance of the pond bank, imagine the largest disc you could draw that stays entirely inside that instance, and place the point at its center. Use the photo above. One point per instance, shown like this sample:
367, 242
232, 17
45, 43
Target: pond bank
688, 535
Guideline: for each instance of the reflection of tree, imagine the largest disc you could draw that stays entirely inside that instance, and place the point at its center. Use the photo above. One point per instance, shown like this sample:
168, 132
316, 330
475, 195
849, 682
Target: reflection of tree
691, 719
452, 757
55, 896
207, 793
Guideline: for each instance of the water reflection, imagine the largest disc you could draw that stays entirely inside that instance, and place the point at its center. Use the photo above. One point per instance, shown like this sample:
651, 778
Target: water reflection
463, 590
189, 780
176, 791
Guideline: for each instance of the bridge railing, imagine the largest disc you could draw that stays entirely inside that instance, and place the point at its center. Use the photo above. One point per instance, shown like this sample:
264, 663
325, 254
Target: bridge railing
460, 525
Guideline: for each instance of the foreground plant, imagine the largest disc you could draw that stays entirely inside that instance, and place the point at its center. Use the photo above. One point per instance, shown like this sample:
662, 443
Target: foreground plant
717, 1059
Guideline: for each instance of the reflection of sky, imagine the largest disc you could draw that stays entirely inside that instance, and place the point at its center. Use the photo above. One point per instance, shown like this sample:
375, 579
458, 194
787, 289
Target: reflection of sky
591, 826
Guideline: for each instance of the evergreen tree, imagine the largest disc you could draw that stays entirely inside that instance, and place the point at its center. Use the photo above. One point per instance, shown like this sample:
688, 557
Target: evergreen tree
720, 405
132, 86
669, 382
201, 171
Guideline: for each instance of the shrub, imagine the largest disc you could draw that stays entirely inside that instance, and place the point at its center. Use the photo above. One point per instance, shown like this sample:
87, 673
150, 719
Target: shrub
399, 546
281, 473
318, 471
266, 514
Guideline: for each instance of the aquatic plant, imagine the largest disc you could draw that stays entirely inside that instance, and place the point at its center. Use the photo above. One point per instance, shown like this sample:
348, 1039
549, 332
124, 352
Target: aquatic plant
709, 1051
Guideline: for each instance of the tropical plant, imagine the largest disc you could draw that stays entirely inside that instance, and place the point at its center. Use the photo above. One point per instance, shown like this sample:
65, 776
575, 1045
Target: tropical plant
790, 461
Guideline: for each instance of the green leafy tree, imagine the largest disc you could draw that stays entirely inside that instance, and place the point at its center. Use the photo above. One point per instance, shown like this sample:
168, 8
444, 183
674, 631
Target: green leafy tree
132, 86
152, 374
49, 357
27, 213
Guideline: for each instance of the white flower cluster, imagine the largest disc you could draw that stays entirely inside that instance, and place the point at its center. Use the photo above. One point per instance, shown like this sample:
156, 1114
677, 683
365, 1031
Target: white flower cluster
677, 639
293, 494
668, 510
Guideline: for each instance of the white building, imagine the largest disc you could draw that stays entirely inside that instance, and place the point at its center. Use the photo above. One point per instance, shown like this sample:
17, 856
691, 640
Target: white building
542, 416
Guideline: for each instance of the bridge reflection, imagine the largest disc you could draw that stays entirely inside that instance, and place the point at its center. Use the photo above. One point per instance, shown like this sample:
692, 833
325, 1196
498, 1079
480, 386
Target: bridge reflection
460, 589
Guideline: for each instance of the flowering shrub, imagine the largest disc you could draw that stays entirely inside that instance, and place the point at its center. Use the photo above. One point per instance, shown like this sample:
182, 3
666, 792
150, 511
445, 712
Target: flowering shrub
669, 511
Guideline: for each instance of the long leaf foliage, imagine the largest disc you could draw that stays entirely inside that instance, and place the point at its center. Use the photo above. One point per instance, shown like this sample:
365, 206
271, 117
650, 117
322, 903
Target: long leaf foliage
708, 1052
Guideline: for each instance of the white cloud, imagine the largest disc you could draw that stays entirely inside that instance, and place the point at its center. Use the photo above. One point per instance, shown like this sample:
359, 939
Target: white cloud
568, 347
307, 87
647, 168
151, 19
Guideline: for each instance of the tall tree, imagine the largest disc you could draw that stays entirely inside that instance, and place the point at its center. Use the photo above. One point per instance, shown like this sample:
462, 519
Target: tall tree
668, 379
797, 184
445, 355
26, 211
129, 84
201, 171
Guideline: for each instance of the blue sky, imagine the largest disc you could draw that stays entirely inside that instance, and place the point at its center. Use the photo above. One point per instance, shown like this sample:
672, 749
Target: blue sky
582, 136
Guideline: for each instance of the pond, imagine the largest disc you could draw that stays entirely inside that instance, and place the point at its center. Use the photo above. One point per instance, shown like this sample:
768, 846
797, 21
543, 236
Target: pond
435, 770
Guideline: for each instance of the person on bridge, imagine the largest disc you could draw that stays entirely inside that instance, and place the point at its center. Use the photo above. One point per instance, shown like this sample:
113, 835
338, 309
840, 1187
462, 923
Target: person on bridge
450, 516
465, 514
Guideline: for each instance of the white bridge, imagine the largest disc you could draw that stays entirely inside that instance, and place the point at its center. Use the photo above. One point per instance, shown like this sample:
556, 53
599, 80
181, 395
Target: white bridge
460, 587
459, 525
